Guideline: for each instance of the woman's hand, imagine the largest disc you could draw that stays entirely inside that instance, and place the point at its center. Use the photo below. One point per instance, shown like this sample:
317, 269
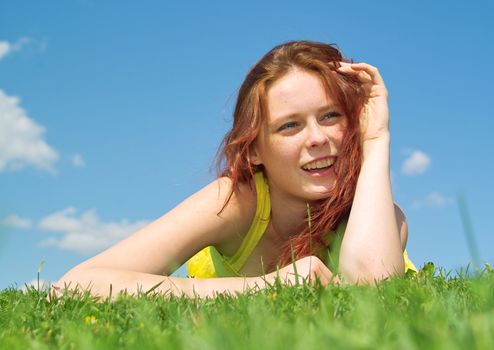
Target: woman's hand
374, 116
305, 270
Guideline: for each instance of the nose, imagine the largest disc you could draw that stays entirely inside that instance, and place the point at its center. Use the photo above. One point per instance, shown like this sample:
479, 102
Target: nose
316, 135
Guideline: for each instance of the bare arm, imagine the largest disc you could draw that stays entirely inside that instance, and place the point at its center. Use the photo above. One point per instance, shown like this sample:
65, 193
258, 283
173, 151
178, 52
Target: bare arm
146, 257
371, 247
97, 281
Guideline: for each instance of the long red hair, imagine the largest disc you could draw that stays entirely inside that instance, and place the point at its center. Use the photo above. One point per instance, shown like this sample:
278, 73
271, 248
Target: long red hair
251, 111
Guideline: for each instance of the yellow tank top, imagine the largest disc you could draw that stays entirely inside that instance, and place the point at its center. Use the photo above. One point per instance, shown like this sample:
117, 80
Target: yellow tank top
210, 263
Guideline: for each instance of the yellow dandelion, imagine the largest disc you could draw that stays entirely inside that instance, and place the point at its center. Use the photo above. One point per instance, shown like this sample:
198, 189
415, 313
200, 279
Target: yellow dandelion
90, 320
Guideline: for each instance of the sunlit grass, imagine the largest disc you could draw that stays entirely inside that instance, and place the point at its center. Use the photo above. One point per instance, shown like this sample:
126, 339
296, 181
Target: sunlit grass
425, 310
428, 310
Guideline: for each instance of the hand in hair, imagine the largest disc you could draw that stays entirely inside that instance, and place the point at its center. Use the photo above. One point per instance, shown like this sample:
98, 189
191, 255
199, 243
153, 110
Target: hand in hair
374, 115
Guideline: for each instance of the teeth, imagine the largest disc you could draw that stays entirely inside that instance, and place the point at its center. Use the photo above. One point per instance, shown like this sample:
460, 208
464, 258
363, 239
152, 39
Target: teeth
318, 164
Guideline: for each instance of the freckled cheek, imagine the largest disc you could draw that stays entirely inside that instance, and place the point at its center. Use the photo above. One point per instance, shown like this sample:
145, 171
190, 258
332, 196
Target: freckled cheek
283, 152
338, 135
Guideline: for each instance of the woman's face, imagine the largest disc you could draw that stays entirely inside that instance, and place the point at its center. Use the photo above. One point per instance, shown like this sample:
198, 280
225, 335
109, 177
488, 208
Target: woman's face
301, 137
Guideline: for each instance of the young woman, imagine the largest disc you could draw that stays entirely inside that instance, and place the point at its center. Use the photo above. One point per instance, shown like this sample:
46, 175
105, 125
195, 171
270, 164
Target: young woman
304, 186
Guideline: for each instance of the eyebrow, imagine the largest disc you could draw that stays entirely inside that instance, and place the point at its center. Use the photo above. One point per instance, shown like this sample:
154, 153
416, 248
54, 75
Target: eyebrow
295, 115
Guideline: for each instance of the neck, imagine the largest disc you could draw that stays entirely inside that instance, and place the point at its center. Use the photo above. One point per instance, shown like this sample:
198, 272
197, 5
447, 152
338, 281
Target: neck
288, 215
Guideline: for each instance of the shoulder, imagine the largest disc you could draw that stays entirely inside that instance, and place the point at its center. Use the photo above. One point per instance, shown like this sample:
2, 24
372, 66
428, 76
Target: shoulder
239, 199
236, 207
166, 243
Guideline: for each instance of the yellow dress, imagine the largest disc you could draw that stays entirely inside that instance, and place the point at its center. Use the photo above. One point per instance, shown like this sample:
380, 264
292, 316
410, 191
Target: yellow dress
210, 263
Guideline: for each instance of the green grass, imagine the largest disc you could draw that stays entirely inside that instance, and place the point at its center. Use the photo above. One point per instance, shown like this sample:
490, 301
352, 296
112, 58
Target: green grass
428, 310
431, 310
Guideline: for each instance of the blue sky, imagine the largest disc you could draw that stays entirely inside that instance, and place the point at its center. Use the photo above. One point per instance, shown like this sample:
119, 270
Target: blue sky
111, 113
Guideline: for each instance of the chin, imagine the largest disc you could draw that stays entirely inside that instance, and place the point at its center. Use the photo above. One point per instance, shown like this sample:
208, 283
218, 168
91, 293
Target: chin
320, 194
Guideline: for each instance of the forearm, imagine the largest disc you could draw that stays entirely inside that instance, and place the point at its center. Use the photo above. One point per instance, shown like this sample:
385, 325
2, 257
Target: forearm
98, 281
371, 247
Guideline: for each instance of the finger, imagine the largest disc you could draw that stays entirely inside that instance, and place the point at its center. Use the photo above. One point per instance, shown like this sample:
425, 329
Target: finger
335, 280
323, 279
329, 274
324, 275
362, 76
327, 277
372, 71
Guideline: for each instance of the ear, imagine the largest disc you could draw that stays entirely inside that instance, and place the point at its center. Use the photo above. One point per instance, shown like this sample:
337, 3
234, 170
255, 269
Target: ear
254, 156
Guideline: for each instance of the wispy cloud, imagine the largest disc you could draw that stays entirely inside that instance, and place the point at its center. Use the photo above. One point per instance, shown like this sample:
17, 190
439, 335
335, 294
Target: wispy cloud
78, 161
62, 221
434, 199
416, 163
21, 139
7, 48
43, 285
85, 234
16, 221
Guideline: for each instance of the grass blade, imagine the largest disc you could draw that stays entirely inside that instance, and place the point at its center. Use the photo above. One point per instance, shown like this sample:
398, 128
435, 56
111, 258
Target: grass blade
468, 230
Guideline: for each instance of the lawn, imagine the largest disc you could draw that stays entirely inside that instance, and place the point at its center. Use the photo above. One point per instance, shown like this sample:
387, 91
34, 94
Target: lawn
428, 310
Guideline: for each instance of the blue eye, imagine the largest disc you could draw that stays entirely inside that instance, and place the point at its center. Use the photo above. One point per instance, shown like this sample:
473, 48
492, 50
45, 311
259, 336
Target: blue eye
292, 125
287, 126
331, 115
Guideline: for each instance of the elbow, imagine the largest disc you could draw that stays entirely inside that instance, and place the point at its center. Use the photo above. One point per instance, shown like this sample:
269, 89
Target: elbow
72, 276
368, 272
77, 281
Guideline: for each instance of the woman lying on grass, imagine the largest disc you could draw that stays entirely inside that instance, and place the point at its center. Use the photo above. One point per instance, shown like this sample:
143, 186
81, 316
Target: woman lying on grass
303, 189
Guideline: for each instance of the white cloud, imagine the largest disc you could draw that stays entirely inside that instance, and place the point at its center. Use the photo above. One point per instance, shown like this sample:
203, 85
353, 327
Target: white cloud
7, 48
416, 163
61, 221
21, 139
78, 161
86, 234
434, 199
16, 221
43, 285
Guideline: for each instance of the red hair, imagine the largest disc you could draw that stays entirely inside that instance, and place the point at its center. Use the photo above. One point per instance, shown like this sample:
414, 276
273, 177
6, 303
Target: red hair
251, 111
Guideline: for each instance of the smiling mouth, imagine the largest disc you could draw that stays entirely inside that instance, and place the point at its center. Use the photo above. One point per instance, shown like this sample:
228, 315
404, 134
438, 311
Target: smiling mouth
319, 165
317, 170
